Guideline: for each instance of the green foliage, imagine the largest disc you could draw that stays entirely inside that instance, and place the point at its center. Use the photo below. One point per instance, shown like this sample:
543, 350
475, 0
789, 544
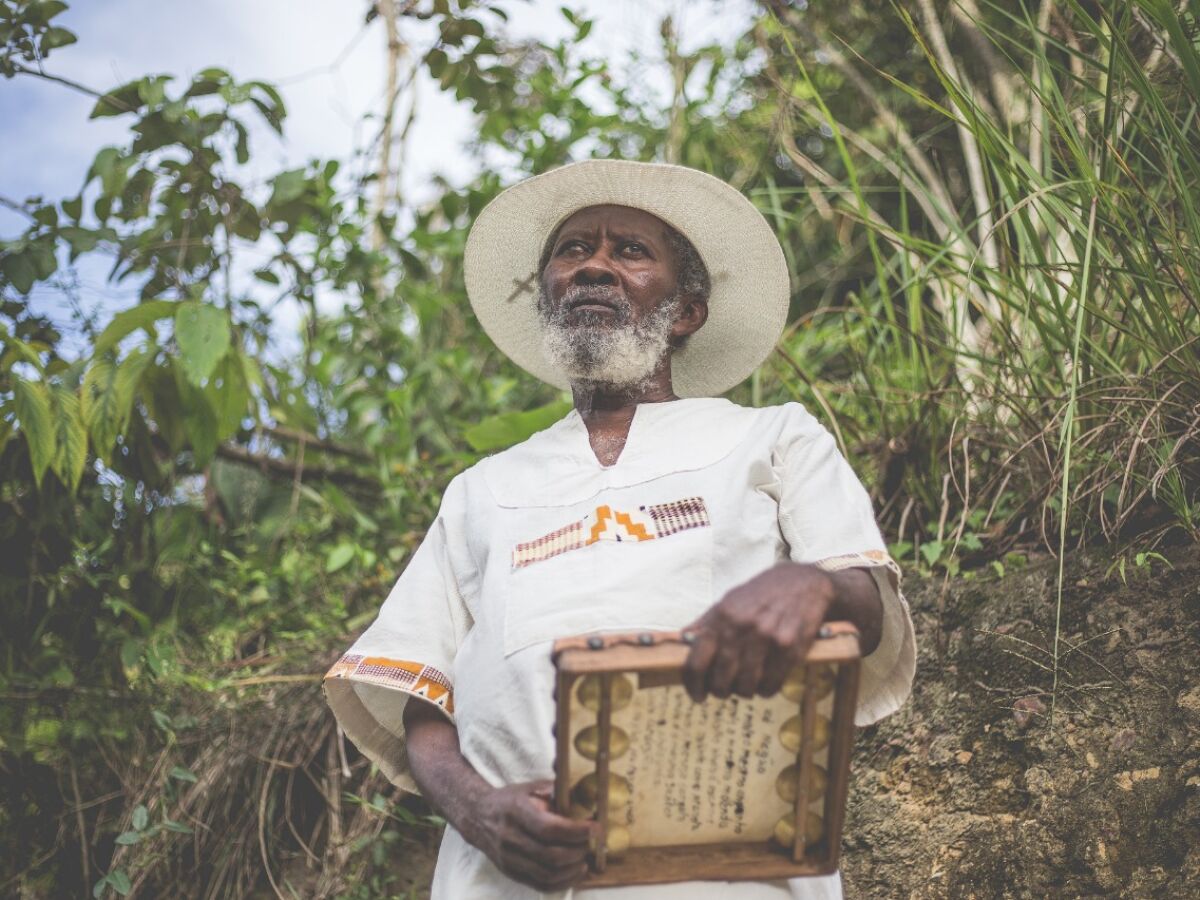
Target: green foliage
202, 332
1143, 563
70, 436
1006, 202
27, 34
31, 401
144, 315
511, 428
106, 398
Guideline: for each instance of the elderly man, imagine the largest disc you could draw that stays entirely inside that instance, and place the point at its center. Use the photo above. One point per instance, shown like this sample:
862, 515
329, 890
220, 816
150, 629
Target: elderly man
635, 285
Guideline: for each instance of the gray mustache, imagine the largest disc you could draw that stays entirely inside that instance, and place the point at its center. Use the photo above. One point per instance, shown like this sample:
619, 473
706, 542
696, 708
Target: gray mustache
598, 292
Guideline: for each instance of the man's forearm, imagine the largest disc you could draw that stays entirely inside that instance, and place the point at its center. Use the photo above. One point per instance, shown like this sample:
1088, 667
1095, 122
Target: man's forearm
513, 825
856, 599
447, 780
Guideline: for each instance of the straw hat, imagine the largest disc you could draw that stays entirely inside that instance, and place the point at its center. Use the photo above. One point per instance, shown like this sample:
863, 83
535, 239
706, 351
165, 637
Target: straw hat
746, 310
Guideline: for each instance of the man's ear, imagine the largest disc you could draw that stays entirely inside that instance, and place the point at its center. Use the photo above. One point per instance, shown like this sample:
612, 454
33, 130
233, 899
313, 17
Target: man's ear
693, 313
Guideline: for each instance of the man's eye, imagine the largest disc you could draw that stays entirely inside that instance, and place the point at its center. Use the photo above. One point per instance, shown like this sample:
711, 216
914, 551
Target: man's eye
636, 248
570, 246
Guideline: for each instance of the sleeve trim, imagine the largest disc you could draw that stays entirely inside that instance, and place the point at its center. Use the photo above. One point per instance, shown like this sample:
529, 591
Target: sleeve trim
414, 678
864, 559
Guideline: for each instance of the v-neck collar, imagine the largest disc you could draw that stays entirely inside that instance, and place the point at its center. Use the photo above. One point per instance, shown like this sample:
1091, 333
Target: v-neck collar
580, 426
557, 467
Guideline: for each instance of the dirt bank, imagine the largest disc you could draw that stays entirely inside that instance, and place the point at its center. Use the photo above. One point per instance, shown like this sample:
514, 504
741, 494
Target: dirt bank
968, 793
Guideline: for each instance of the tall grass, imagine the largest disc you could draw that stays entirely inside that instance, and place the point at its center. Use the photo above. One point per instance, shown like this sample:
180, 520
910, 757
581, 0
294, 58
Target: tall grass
1033, 333
1031, 336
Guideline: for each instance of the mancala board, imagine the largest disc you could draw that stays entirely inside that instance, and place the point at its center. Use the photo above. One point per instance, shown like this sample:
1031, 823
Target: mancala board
708, 791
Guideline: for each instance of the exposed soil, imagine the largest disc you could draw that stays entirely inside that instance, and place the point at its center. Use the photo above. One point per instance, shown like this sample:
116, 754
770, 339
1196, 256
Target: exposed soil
970, 792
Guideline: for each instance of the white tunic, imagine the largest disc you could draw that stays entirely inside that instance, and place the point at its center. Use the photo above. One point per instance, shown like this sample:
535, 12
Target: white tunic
541, 542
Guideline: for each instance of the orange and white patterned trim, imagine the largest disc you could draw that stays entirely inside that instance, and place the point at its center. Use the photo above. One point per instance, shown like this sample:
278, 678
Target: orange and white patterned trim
646, 523
414, 678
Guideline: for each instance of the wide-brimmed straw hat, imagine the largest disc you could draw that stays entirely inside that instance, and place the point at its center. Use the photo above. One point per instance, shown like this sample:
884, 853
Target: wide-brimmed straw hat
746, 310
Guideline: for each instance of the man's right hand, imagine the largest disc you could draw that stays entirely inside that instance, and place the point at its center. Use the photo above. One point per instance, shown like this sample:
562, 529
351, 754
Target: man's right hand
530, 843
514, 825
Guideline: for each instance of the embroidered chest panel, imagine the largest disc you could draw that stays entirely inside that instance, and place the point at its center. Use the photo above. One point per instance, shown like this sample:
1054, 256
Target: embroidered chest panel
605, 523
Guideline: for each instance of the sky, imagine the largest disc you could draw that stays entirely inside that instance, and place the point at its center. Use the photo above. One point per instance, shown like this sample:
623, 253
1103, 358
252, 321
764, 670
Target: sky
327, 63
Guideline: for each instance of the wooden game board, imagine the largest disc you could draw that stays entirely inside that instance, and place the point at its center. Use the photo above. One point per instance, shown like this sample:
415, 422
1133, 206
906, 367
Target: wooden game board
703, 791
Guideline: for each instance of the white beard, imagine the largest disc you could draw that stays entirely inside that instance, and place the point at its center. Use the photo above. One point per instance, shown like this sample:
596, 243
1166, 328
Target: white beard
615, 352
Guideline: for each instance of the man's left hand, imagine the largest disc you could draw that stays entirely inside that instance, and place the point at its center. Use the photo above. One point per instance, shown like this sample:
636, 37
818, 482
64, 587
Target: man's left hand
750, 640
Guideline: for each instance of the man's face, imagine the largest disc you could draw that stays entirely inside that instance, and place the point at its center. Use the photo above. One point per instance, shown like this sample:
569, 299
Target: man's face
602, 253
608, 303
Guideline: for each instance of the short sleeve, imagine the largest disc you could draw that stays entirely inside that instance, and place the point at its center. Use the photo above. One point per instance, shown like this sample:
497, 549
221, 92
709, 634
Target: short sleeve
825, 516
408, 651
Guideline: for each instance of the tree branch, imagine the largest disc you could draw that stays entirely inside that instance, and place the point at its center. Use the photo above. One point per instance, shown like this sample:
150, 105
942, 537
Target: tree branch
16, 207
328, 446
271, 464
73, 85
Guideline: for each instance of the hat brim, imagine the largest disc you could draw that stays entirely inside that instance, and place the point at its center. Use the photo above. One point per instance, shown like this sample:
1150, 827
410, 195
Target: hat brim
747, 309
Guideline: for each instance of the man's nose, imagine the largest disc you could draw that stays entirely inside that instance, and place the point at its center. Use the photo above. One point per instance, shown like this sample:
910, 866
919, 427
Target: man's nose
594, 271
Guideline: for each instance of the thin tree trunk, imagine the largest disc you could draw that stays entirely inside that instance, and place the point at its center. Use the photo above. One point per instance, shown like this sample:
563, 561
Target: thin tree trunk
396, 50
676, 126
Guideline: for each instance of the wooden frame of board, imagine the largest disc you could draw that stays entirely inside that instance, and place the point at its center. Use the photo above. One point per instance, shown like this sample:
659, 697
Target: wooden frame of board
594, 678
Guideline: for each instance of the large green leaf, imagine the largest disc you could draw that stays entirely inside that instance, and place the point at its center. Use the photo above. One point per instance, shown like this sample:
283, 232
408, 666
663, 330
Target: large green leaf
288, 186
98, 405
511, 428
40, 13
141, 316
161, 396
70, 437
117, 101
112, 168
20, 271
202, 332
16, 350
107, 396
37, 422
55, 37
229, 393
339, 556
199, 418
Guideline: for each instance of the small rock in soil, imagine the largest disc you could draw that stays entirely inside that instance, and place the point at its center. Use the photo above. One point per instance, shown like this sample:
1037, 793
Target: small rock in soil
1026, 710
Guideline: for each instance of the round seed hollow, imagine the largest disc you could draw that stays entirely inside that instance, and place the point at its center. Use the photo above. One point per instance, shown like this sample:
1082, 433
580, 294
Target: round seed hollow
589, 692
789, 778
789, 734
586, 792
793, 685
587, 742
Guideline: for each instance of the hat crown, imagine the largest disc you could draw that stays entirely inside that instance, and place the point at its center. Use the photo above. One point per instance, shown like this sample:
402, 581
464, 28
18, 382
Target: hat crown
750, 288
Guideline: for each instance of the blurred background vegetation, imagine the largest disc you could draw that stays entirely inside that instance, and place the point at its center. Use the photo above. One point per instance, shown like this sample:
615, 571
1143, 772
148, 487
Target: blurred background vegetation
991, 212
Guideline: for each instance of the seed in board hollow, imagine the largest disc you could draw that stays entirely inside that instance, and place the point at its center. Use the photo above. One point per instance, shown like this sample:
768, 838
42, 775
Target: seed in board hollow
618, 840
589, 692
793, 686
789, 734
787, 782
587, 742
587, 791
785, 829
